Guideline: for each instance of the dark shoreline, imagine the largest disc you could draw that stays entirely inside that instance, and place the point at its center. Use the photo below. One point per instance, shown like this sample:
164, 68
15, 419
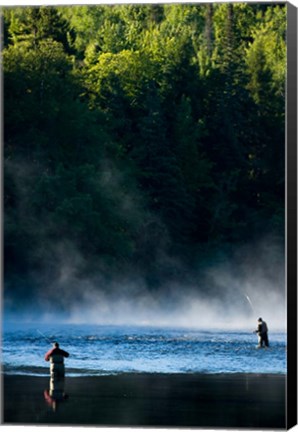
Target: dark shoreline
155, 400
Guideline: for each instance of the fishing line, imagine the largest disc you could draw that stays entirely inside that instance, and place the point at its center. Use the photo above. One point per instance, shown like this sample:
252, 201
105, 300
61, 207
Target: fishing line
44, 336
251, 305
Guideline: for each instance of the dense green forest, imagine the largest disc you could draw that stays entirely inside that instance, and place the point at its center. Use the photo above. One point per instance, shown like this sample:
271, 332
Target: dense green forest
143, 140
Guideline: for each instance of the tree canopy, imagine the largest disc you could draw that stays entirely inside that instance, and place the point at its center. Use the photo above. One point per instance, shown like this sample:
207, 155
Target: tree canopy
137, 137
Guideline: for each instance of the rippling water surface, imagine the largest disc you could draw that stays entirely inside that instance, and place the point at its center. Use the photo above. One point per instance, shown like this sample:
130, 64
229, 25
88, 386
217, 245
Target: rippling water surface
101, 350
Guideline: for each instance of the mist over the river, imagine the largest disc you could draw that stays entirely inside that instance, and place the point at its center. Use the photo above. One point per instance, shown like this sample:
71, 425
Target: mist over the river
227, 287
227, 294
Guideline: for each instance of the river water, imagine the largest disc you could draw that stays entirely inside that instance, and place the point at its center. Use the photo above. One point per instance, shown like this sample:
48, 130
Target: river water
105, 350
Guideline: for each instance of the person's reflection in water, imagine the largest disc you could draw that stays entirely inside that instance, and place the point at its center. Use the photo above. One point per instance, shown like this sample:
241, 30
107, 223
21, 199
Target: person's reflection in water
55, 395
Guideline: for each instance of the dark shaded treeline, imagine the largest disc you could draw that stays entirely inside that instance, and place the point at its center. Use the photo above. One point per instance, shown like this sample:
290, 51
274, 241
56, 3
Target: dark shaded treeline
145, 140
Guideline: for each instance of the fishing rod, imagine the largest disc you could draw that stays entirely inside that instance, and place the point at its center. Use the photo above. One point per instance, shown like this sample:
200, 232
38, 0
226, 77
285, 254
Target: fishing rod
44, 336
252, 308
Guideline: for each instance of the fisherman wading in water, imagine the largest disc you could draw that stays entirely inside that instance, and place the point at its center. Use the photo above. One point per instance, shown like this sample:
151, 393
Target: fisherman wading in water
262, 331
56, 357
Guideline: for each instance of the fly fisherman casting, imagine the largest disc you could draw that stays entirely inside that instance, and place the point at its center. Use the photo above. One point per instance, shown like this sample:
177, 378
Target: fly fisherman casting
262, 329
55, 394
262, 332
56, 357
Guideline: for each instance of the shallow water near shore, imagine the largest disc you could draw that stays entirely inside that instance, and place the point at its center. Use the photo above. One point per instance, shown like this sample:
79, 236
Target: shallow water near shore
185, 400
105, 350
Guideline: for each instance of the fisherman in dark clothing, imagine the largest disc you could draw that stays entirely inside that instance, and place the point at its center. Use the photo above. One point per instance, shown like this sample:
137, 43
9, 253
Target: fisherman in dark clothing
56, 357
262, 331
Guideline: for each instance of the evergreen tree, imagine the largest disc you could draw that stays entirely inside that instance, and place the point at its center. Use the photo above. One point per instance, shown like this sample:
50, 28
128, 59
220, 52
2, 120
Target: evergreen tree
138, 136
